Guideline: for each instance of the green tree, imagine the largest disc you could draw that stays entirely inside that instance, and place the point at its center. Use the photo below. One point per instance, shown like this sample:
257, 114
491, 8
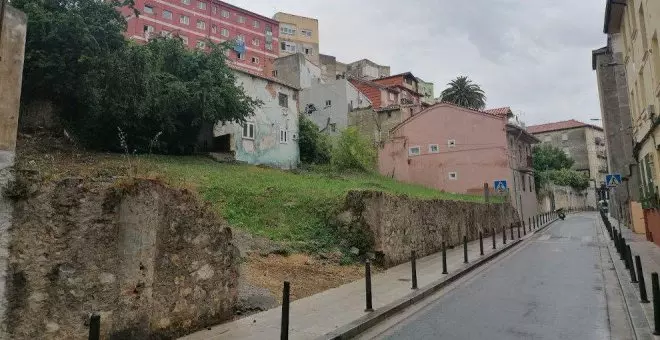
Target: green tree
463, 92
548, 157
78, 59
315, 146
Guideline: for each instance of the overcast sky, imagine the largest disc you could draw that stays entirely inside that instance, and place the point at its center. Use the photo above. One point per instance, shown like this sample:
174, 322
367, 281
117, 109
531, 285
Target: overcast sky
531, 55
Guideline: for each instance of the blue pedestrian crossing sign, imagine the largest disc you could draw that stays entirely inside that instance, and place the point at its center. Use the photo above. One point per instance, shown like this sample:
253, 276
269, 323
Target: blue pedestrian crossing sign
500, 185
613, 180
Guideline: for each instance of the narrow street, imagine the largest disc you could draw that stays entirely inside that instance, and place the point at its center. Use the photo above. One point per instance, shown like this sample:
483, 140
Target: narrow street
551, 288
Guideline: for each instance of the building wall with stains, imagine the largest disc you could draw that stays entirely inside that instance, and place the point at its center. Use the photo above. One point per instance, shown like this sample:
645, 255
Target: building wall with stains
274, 137
448, 148
329, 105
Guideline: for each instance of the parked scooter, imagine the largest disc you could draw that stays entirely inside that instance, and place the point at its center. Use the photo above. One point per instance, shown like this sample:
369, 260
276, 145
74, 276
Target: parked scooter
560, 213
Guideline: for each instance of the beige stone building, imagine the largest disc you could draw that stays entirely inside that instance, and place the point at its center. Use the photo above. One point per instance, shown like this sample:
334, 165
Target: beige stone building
584, 143
638, 22
298, 34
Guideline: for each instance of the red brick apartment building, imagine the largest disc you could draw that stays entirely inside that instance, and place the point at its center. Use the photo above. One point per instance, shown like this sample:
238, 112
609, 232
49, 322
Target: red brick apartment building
198, 21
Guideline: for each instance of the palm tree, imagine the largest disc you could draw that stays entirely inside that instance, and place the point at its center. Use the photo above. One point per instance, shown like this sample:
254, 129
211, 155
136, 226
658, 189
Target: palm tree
463, 92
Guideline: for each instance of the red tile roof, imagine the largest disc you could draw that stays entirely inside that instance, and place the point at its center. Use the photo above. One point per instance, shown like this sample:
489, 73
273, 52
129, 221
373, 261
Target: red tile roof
502, 111
563, 125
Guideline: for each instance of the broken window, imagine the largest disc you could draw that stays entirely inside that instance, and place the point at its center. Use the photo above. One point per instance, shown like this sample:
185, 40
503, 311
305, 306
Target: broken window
284, 100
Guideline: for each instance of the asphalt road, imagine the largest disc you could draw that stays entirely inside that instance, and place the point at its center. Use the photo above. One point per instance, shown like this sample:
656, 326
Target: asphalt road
551, 288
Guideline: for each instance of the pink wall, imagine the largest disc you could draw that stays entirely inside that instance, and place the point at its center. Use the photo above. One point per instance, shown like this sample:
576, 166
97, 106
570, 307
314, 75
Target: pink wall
480, 154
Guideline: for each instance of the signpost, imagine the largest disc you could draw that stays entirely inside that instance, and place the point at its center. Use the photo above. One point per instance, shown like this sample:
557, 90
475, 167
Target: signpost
612, 180
500, 186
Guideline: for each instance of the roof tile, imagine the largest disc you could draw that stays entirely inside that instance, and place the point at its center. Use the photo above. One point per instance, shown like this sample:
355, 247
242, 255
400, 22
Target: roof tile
563, 125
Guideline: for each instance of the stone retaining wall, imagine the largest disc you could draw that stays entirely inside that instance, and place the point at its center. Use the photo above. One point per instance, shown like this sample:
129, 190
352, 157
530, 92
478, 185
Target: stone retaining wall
392, 226
150, 259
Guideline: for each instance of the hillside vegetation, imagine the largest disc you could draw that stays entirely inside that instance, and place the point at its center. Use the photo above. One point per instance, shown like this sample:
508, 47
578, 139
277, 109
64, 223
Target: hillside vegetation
289, 207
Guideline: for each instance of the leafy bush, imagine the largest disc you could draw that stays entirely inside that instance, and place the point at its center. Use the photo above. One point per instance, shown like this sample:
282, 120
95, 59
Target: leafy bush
353, 152
566, 177
315, 146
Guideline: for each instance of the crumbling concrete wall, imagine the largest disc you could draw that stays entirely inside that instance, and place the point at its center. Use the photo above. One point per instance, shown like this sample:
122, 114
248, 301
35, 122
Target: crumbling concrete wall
12, 49
151, 260
554, 196
393, 226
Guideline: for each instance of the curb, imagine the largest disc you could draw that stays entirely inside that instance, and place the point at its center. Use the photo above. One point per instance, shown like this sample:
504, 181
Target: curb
368, 321
639, 322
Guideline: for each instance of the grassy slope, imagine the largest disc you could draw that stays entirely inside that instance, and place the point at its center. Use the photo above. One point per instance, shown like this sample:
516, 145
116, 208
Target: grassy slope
280, 205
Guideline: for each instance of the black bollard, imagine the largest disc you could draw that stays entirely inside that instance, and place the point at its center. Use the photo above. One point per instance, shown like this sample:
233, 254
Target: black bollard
640, 278
481, 243
511, 228
413, 267
444, 258
655, 289
633, 277
465, 257
519, 230
94, 327
622, 246
494, 241
367, 282
286, 293
625, 257
529, 224
504, 235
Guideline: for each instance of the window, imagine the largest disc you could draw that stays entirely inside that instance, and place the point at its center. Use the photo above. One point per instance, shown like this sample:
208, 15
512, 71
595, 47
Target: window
392, 96
148, 9
184, 20
255, 24
225, 14
185, 2
274, 73
524, 184
284, 100
148, 29
240, 56
214, 28
240, 37
269, 46
451, 143
328, 103
333, 127
284, 138
165, 34
307, 33
255, 42
201, 24
287, 29
564, 137
248, 130
255, 60
288, 47
408, 81
309, 51
201, 44
201, 5
241, 19
224, 32
434, 148
214, 9
414, 151
167, 14
453, 176
184, 39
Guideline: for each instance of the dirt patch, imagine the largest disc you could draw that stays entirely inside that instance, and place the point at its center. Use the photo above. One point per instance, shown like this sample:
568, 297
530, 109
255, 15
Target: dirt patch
308, 276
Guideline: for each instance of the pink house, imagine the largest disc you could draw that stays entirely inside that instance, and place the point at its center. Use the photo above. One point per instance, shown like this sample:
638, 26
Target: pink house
457, 150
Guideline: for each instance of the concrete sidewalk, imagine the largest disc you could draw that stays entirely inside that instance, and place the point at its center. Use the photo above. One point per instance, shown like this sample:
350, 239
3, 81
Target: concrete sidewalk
649, 254
318, 315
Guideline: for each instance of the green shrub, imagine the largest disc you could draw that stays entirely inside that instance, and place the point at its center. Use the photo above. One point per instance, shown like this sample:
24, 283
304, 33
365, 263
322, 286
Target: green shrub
353, 152
315, 146
566, 177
